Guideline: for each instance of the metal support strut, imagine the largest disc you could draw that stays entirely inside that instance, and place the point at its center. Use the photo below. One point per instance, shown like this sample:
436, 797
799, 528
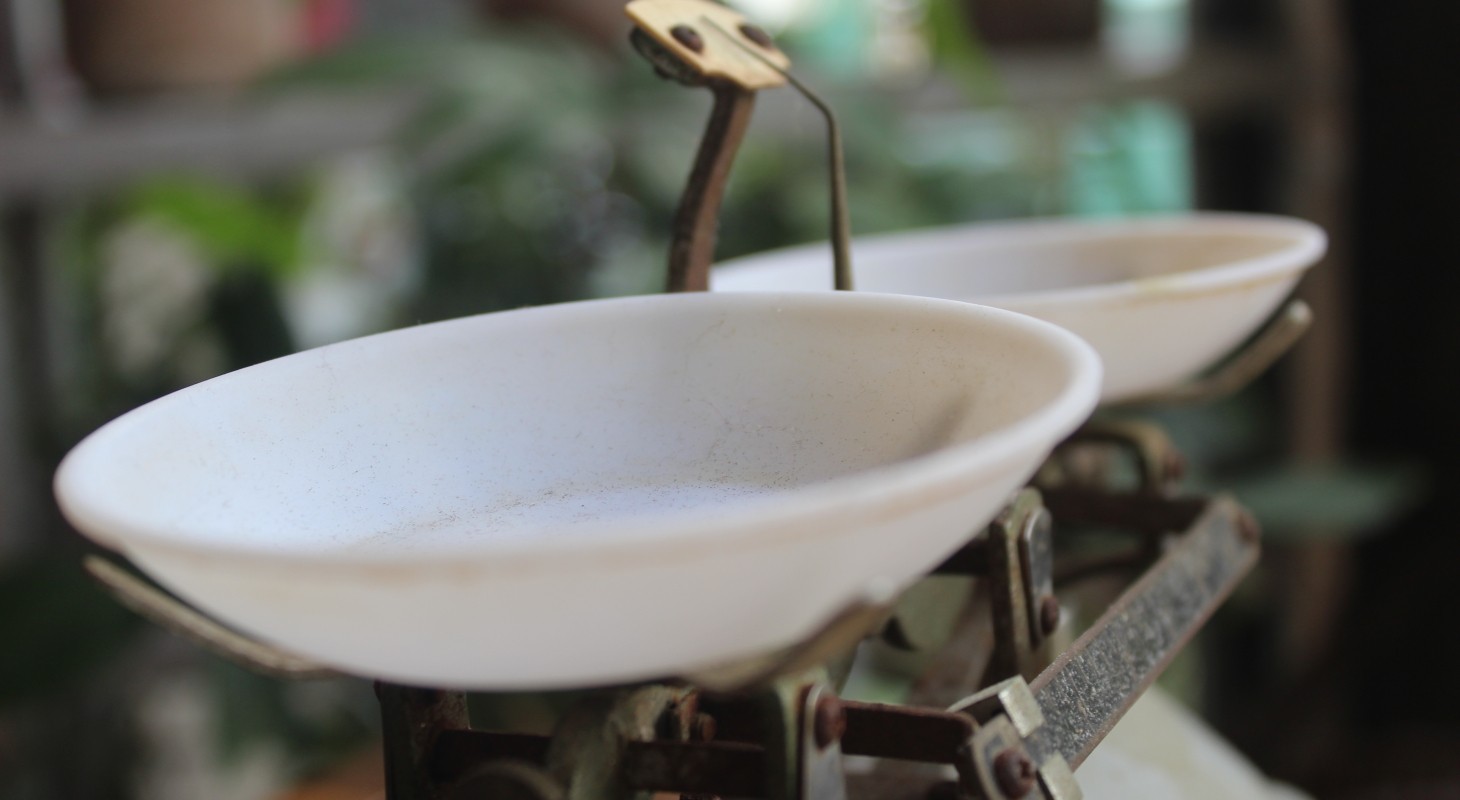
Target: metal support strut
692, 250
699, 43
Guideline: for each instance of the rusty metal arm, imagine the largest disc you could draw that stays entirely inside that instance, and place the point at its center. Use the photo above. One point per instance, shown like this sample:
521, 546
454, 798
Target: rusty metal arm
1030, 737
692, 250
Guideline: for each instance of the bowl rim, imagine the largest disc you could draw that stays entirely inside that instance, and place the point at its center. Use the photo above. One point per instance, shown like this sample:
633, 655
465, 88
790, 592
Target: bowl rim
1306, 243
757, 521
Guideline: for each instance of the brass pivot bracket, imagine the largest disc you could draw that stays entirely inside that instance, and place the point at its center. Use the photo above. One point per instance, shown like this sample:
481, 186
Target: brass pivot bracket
997, 763
1015, 556
700, 43
1020, 567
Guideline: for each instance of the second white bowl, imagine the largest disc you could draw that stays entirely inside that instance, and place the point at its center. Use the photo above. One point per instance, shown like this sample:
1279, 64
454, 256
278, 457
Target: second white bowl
1160, 299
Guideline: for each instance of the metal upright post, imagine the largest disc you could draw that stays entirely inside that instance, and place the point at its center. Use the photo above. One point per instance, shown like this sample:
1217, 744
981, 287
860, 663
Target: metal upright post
412, 719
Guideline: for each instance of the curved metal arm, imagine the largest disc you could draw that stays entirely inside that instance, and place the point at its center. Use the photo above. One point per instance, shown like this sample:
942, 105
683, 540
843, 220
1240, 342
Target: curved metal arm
1246, 366
198, 628
696, 223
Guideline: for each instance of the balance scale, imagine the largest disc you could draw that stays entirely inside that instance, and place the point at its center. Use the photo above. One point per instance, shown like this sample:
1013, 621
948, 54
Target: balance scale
700, 503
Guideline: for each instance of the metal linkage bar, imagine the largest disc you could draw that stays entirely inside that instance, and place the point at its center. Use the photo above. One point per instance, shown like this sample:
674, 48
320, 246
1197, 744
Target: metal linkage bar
1090, 687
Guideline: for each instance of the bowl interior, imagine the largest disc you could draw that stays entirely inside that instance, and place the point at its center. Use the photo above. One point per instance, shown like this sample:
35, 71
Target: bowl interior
550, 421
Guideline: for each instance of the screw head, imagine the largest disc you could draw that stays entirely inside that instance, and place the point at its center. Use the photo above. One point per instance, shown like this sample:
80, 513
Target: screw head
1049, 614
1174, 466
1248, 527
704, 728
688, 37
830, 721
757, 34
1014, 772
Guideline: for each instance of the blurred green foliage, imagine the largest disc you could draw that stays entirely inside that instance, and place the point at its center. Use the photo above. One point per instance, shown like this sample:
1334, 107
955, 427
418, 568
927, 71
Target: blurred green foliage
60, 625
961, 56
233, 227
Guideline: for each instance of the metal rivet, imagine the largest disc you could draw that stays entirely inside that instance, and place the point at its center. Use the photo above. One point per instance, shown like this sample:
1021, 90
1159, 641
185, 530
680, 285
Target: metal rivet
758, 35
1014, 772
830, 722
688, 37
704, 729
1049, 614
1174, 466
1248, 527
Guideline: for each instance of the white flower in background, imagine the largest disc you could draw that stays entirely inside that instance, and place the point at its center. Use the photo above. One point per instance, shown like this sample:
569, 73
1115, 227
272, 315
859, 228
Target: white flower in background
154, 296
360, 255
1146, 37
898, 49
178, 722
777, 15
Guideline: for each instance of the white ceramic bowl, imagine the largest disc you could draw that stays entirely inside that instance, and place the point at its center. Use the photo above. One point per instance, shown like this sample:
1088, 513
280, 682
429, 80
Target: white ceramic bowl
1160, 299
583, 493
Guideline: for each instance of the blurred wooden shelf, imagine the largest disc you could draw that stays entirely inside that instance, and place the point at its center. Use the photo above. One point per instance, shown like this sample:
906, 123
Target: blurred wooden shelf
360, 778
1206, 78
239, 136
